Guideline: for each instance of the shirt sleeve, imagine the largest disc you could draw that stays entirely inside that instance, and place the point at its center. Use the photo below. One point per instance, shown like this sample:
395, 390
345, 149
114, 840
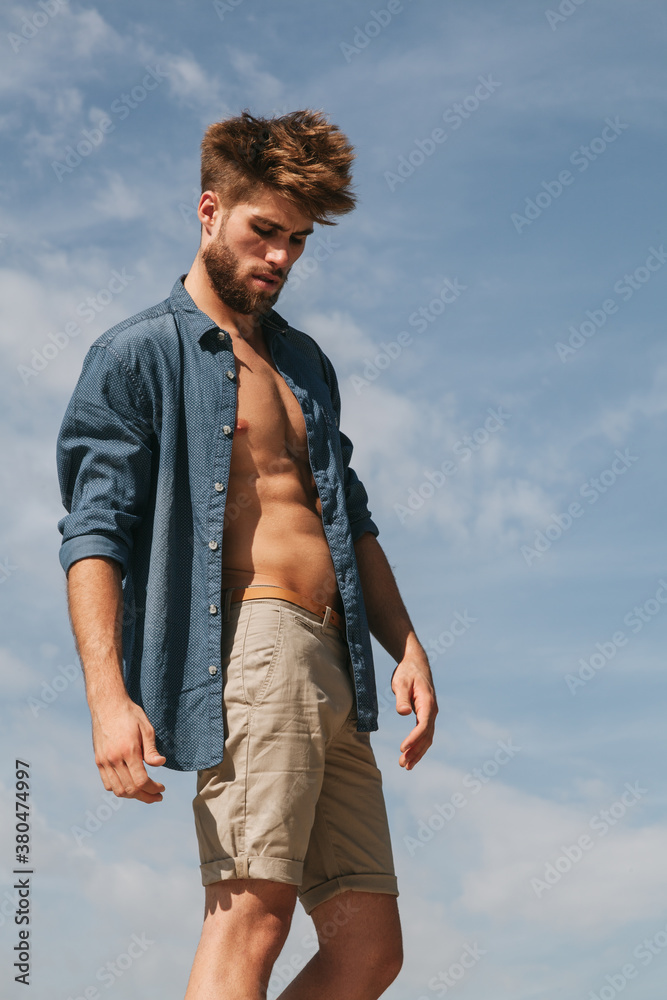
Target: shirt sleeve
356, 497
103, 457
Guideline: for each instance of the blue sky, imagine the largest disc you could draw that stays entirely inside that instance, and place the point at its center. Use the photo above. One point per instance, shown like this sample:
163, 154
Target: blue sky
493, 310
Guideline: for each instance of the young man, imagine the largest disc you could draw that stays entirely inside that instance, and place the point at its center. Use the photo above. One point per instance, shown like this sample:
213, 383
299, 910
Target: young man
202, 466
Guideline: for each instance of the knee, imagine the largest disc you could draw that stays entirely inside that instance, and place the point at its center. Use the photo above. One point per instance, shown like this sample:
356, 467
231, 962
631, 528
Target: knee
385, 961
255, 919
264, 937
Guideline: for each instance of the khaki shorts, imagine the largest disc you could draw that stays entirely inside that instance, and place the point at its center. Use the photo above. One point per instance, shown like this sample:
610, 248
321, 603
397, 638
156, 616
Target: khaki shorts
298, 796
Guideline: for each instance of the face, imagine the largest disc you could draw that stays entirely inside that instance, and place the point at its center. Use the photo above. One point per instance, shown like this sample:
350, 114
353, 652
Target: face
251, 250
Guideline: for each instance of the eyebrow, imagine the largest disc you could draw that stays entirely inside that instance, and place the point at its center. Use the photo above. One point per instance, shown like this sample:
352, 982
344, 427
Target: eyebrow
282, 229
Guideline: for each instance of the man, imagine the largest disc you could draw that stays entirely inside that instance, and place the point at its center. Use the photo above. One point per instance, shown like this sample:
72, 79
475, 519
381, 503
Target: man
202, 467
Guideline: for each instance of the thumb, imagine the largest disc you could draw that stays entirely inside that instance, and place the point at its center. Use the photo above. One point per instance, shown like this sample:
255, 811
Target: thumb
151, 754
403, 704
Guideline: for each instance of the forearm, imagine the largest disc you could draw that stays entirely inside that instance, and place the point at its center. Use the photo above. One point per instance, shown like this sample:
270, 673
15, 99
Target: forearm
95, 598
388, 618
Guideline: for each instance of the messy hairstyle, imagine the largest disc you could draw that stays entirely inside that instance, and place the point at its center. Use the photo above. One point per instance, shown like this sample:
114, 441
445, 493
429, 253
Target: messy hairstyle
300, 156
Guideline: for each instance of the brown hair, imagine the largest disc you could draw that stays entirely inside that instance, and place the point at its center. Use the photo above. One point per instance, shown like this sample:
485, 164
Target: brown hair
301, 156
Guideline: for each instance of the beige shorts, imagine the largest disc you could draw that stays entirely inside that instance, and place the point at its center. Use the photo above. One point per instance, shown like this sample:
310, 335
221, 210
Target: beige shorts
298, 796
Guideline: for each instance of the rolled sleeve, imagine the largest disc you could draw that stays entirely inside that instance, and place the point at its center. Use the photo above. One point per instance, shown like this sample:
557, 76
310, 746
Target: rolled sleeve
104, 459
356, 497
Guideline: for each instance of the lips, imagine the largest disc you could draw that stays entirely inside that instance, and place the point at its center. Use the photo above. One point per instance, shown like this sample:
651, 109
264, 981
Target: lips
269, 279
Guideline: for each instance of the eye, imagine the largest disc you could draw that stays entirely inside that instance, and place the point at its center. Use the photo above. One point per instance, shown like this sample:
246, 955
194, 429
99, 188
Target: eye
262, 232
297, 240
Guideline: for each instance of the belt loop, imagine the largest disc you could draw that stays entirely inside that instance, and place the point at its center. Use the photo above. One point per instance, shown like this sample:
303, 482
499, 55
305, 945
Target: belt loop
228, 602
241, 866
327, 616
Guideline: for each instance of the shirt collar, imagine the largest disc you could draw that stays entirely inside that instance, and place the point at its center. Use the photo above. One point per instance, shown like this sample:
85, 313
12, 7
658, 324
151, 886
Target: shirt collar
200, 323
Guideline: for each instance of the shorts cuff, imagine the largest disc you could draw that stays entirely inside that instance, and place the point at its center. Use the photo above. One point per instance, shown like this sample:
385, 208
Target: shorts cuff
274, 869
362, 883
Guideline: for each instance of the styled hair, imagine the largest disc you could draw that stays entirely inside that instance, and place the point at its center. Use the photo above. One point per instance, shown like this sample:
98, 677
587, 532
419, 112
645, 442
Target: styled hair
300, 156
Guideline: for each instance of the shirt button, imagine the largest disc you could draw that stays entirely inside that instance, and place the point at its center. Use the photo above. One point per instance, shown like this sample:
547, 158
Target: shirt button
220, 487
213, 544
231, 375
213, 670
222, 335
227, 430
213, 608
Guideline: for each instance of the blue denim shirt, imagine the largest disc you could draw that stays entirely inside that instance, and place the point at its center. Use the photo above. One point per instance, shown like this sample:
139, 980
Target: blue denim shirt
143, 459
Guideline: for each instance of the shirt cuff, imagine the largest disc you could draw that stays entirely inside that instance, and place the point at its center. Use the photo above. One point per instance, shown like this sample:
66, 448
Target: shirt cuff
82, 546
359, 527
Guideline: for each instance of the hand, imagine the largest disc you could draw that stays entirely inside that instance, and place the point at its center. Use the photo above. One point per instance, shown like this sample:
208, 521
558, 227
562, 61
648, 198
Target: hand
123, 739
412, 683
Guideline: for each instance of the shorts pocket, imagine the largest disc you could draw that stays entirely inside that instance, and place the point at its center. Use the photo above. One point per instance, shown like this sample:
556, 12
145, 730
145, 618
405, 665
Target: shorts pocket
262, 642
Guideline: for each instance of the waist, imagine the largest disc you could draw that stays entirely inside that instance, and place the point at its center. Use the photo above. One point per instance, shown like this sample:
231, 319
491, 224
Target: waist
233, 595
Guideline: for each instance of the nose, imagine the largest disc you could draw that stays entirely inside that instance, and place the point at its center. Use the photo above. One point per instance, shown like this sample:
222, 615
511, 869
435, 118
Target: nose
277, 256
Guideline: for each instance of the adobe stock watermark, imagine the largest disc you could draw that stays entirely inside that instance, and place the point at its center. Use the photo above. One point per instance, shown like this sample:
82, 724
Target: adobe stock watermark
625, 287
32, 24
458, 627
6, 569
603, 821
464, 449
364, 34
446, 980
420, 319
591, 490
474, 781
222, 7
109, 973
283, 973
51, 690
582, 157
94, 821
635, 620
122, 107
318, 251
645, 952
88, 309
565, 11
454, 116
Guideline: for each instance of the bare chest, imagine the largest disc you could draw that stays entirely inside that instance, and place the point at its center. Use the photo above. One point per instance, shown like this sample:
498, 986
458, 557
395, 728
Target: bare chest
269, 422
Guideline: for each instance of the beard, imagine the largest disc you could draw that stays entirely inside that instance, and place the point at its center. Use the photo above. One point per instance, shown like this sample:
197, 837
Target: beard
224, 273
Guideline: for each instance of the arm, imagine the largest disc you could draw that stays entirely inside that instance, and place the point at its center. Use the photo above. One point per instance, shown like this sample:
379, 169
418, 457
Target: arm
104, 467
123, 738
411, 681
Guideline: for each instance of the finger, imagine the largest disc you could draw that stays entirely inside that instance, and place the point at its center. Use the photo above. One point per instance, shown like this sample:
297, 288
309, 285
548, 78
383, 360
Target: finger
111, 781
416, 746
413, 756
126, 777
141, 780
420, 747
413, 736
129, 789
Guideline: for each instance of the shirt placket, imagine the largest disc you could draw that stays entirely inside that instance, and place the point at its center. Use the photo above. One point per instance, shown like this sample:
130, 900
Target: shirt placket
224, 423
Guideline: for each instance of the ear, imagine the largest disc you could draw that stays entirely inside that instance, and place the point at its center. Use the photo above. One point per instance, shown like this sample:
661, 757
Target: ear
208, 211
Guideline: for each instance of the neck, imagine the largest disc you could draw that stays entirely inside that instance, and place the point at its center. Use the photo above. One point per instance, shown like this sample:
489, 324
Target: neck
239, 326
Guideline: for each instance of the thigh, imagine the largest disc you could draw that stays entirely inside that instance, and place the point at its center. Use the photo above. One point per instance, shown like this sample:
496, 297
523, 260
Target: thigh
350, 844
241, 902
355, 926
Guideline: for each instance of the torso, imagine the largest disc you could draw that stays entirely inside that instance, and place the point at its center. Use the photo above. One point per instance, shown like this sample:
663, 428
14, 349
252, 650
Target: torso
273, 531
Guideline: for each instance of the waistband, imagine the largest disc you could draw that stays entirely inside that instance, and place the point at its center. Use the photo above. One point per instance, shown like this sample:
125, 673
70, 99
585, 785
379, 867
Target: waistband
234, 595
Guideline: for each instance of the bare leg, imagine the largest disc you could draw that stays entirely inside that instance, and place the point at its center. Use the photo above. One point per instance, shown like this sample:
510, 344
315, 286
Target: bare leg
361, 950
246, 923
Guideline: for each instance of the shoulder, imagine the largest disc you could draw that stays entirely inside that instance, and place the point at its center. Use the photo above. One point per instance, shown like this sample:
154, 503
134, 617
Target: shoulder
141, 348
154, 326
